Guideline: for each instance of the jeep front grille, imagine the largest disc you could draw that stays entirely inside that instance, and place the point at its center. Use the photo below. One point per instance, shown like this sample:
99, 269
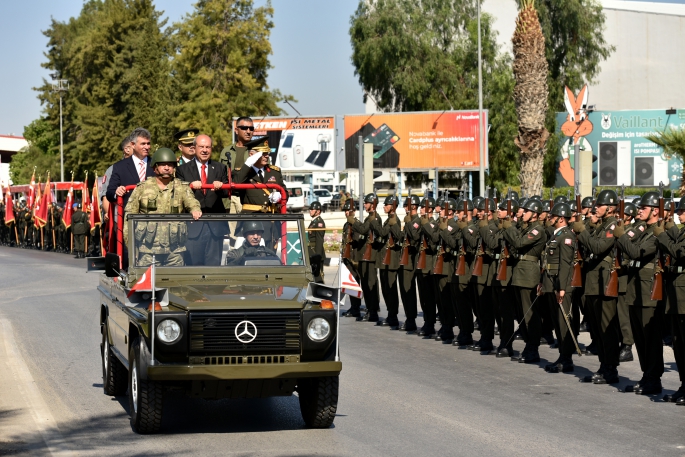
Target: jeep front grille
278, 332
245, 360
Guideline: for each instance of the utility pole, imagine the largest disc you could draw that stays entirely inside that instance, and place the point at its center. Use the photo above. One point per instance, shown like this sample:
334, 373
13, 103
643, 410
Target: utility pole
481, 153
59, 86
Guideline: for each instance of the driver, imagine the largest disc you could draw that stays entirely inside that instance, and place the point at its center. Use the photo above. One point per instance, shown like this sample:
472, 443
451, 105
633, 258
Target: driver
251, 247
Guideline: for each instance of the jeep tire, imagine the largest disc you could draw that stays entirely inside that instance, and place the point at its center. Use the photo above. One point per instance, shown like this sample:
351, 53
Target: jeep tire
318, 400
114, 380
144, 396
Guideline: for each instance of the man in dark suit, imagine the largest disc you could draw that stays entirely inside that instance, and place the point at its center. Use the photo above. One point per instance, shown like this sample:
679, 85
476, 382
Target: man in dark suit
205, 238
132, 170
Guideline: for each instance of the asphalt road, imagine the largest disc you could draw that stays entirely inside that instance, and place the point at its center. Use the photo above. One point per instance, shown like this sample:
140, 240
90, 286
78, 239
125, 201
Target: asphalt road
399, 394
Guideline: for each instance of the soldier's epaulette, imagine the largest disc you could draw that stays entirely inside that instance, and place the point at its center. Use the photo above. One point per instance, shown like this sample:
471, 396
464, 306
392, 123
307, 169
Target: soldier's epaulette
184, 182
274, 167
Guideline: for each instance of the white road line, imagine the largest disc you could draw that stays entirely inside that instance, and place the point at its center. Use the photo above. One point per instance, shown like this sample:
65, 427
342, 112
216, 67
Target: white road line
45, 423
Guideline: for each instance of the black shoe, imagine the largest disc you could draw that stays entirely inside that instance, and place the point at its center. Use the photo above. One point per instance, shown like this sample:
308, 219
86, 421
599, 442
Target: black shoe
447, 338
483, 346
429, 336
650, 388
463, 344
532, 356
590, 349
496, 330
476, 325
518, 336
680, 401
351, 313
626, 354
610, 376
411, 332
389, 323
503, 353
426, 331
359, 318
366, 317
632, 388
675, 396
562, 365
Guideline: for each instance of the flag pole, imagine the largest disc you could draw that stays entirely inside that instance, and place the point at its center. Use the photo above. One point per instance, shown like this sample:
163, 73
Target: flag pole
152, 327
337, 323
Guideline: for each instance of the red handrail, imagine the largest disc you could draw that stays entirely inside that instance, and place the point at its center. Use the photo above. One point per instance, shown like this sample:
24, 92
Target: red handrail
230, 187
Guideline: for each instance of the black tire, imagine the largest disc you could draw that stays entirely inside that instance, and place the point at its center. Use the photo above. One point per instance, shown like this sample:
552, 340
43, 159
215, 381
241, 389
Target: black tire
144, 397
114, 381
318, 400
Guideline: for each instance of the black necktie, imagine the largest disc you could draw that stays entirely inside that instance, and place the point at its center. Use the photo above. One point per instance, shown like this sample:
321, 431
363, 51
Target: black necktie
261, 176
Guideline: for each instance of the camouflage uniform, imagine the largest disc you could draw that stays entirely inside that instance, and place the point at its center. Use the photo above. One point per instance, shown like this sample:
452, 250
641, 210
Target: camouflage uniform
166, 240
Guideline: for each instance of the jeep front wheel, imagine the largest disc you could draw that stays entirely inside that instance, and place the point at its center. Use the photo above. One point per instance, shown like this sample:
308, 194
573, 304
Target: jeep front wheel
144, 396
318, 400
113, 371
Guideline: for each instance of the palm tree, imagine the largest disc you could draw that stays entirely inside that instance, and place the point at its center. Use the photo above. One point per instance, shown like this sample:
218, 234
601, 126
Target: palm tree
673, 142
530, 96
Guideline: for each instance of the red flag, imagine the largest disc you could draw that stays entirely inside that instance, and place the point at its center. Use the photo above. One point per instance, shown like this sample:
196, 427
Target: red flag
41, 215
32, 191
37, 205
144, 283
85, 199
9, 208
95, 215
69, 205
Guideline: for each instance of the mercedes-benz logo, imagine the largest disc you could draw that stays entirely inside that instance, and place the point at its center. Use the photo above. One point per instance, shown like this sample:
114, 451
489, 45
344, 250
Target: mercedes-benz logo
246, 332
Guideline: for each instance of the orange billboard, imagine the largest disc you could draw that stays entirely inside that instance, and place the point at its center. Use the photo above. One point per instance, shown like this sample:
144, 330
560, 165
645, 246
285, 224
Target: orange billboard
447, 140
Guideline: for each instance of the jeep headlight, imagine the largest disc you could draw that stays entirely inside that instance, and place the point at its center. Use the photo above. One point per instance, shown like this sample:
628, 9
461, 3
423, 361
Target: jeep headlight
168, 331
318, 329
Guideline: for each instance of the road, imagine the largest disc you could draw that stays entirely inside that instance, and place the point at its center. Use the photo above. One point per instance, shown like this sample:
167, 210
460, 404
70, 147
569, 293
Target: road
399, 394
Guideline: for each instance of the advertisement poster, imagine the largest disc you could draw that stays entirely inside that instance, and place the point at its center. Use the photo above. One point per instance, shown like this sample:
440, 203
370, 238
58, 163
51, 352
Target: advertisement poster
299, 144
623, 154
417, 141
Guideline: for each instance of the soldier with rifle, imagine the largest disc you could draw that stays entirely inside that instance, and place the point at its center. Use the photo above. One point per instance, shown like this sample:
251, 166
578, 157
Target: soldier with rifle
315, 235
529, 242
447, 249
557, 264
461, 288
369, 230
623, 308
639, 245
600, 306
424, 267
353, 249
388, 262
411, 245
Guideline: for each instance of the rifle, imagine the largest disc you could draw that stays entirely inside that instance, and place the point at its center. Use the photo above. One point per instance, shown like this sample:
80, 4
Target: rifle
551, 199
387, 259
611, 289
577, 278
504, 253
461, 264
478, 263
440, 259
421, 263
404, 257
657, 292
347, 251
368, 251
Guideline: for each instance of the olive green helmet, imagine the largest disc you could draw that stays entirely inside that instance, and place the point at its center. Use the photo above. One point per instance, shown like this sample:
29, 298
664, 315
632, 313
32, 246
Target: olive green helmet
252, 226
533, 204
546, 207
514, 205
607, 197
347, 206
650, 199
440, 201
391, 200
460, 205
370, 198
315, 205
560, 199
413, 200
477, 201
163, 155
481, 205
586, 203
561, 209
630, 209
429, 201
451, 204
668, 205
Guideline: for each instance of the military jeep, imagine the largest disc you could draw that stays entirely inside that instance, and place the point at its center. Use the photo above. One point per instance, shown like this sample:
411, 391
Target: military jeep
252, 325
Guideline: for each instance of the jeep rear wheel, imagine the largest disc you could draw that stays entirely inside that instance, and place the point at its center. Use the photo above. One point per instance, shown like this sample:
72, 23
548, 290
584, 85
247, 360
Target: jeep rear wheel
113, 371
144, 396
318, 400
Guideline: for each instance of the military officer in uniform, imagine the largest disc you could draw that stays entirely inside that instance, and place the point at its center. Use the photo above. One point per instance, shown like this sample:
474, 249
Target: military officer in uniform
483, 284
622, 307
448, 248
556, 284
315, 235
356, 251
425, 272
251, 247
601, 309
461, 285
390, 236
234, 158
529, 242
639, 245
162, 194
186, 144
411, 241
80, 225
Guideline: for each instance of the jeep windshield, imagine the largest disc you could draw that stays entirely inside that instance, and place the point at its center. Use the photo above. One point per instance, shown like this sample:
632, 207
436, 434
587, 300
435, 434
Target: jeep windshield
216, 240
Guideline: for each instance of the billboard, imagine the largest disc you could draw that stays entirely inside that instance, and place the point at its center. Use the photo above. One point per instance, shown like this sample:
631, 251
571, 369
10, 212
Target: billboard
623, 154
417, 141
299, 144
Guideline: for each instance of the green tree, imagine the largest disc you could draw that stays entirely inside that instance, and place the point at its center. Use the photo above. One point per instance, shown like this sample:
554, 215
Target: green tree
221, 65
673, 142
42, 152
405, 53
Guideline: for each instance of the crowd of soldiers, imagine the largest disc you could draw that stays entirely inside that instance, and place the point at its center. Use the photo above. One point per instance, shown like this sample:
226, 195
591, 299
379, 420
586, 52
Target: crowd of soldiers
528, 269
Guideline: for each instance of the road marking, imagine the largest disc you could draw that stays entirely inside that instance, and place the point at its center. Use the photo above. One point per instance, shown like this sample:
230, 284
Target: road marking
45, 423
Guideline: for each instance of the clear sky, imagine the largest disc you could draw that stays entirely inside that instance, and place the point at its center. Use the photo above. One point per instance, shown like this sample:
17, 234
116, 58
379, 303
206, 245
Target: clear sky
310, 40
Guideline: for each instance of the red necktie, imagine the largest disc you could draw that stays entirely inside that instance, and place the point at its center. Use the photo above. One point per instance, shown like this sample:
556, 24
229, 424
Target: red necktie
203, 176
141, 172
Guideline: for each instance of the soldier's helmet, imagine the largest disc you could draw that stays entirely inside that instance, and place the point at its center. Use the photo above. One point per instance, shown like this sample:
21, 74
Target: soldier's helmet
370, 198
347, 205
573, 206
536, 197
636, 201
546, 207
681, 204
440, 201
561, 209
607, 197
429, 200
522, 202
668, 206
451, 204
533, 205
315, 205
469, 205
413, 200
391, 200
514, 195
514, 205
560, 199
586, 202
650, 199
630, 209
476, 201
481, 205
252, 226
163, 155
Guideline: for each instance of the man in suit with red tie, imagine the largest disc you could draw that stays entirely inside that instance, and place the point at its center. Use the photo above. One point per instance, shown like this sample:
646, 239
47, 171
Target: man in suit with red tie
205, 238
133, 169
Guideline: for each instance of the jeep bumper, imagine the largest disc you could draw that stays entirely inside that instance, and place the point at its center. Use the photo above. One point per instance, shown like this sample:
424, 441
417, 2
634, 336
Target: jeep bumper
177, 372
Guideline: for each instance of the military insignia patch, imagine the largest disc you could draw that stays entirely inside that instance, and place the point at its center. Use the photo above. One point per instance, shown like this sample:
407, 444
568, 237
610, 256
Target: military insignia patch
272, 179
432, 226
610, 234
320, 224
612, 227
631, 234
416, 225
642, 228
470, 231
534, 231
568, 241
449, 228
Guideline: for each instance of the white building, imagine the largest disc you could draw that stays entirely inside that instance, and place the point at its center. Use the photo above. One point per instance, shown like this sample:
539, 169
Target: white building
9, 145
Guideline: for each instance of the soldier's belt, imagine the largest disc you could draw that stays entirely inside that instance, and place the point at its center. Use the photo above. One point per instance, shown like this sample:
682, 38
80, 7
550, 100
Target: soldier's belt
263, 208
638, 264
607, 259
530, 258
675, 269
550, 267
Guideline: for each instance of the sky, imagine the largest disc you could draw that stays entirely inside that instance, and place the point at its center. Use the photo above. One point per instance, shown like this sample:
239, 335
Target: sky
310, 41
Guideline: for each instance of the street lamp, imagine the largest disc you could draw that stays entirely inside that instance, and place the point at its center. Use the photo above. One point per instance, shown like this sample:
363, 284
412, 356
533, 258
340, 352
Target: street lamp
59, 86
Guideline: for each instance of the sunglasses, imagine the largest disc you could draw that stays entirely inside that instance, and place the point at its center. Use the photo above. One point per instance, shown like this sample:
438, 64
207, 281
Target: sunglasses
246, 127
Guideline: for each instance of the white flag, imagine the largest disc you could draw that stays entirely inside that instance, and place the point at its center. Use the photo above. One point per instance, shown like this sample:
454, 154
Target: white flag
349, 285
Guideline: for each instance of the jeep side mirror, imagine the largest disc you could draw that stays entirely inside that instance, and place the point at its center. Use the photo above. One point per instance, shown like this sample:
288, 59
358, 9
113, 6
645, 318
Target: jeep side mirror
112, 262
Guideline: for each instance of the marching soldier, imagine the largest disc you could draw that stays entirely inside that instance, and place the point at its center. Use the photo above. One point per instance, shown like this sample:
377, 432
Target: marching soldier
425, 272
622, 307
390, 234
601, 309
639, 245
315, 235
556, 285
356, 251
483, 283
461, 285
447, 248
80, 225
529, 242
411, 236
